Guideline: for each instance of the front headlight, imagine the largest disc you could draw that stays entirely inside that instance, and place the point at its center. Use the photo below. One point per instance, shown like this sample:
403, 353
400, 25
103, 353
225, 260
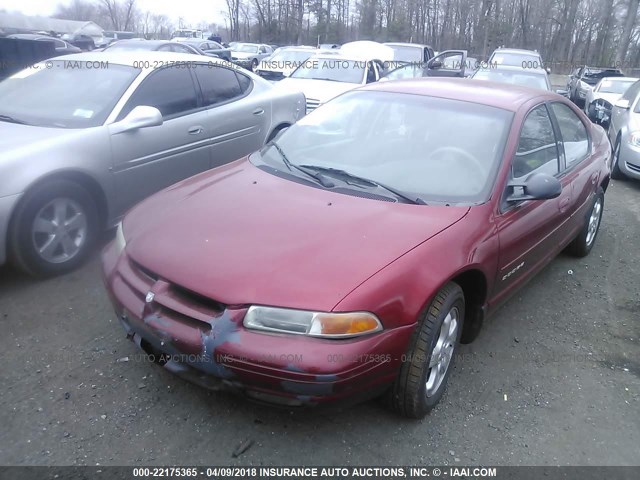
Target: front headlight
313, 324
634, 138
120, 241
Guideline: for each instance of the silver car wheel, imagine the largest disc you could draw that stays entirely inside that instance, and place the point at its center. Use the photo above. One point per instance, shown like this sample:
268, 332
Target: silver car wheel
594, 221
442, 352
59, 230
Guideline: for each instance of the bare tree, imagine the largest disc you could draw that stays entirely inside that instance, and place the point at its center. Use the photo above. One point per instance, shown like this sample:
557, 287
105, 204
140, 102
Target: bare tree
120, 13
629, 23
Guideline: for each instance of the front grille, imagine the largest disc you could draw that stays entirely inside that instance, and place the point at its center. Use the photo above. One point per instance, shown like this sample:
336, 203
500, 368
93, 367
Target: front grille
147, 273
171, 301
312, 104
267, 75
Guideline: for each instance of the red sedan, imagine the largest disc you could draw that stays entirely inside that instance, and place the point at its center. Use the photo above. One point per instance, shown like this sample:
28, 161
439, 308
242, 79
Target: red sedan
351, 255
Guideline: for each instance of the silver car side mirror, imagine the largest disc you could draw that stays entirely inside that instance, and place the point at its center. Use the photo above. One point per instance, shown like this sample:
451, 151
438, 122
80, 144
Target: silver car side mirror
141, 116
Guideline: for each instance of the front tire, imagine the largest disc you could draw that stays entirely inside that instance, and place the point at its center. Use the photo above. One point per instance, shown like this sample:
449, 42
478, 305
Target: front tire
583, 243
423, 375
53, 229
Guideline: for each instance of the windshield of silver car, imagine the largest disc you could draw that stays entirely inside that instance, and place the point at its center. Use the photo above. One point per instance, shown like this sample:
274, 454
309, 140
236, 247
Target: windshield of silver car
440, 150
64, 93
615, 86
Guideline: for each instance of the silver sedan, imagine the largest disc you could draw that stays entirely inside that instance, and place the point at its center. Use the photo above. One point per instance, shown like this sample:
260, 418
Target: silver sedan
624, 134
84, 137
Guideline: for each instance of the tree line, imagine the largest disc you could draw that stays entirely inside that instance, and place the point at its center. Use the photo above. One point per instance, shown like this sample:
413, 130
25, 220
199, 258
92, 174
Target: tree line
565, 32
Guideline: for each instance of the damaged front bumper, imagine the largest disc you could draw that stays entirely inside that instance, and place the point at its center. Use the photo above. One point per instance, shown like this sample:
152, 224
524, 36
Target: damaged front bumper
206, 343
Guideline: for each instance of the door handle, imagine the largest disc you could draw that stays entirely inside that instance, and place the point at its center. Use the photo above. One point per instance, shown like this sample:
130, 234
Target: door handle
594, 178
258, 111
196, 130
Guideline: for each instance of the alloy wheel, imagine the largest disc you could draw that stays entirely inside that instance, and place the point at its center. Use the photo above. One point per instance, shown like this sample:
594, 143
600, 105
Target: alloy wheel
442, 352
59, 230
594, 221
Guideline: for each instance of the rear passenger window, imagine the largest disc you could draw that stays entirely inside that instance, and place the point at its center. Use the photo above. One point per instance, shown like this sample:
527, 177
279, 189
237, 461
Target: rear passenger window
218, 84
245, 82
537, 150
574, 134
181, 49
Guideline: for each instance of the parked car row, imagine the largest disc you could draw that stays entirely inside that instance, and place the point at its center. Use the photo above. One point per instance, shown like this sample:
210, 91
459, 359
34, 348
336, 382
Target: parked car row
312, 84
611, 100
319, 218
190, 46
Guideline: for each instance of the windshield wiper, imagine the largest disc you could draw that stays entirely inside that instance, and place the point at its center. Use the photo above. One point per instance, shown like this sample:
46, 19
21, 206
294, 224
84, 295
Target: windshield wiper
327, 79
291, 166
366, 181
7, 118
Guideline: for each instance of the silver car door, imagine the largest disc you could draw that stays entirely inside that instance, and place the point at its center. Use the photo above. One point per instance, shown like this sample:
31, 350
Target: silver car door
238, 114
450, 63
149, 159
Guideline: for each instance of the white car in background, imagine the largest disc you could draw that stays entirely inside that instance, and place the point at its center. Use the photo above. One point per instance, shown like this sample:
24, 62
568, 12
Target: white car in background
516, 57
329, 74
283, 62
599, 101
527, 77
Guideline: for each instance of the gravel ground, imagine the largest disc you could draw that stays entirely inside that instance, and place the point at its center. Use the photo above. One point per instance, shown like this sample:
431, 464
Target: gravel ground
553, 379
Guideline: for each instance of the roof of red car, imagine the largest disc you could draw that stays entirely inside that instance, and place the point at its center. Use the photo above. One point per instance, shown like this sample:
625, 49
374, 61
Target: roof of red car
500, 95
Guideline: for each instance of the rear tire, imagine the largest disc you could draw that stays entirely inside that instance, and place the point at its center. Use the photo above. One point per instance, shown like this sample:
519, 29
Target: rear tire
423, 375
53, 229
583, 243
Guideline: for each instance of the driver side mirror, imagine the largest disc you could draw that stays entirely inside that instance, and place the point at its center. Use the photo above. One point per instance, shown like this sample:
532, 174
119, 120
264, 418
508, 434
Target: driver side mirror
538, 186
141, 116
435, 65
624, 104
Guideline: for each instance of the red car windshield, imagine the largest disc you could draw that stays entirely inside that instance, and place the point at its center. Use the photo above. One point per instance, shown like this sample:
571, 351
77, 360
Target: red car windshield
438, 149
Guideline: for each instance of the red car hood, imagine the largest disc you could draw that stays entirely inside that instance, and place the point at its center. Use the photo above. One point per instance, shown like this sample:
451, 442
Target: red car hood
240, 235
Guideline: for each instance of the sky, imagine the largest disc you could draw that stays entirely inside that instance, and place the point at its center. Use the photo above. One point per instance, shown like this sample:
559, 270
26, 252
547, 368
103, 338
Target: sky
192, 11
